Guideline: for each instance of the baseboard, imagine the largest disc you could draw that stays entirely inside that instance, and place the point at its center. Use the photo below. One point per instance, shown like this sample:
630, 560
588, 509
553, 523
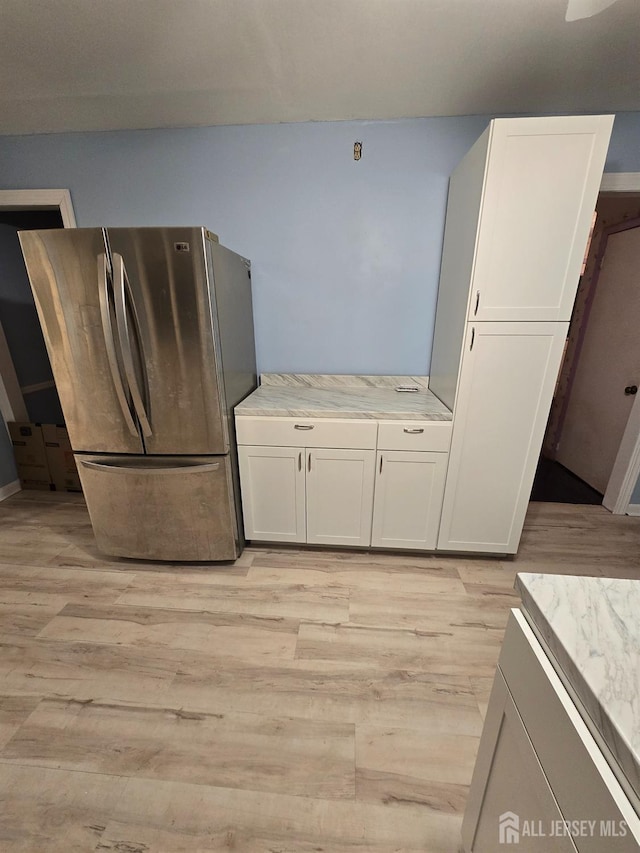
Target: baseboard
633, 509
12, 488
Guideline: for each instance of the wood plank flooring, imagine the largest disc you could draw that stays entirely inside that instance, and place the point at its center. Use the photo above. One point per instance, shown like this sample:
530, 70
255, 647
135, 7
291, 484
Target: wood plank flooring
298, 700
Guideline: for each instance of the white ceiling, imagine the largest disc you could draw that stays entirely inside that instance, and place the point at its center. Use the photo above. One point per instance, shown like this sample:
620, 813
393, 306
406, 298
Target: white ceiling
109, 64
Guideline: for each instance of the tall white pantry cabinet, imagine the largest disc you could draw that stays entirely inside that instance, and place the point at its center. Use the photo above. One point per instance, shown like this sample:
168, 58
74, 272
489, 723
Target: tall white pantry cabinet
519, 211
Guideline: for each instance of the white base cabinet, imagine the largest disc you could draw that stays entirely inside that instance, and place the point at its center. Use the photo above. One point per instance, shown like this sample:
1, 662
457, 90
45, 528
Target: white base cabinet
408, 499
296, 494
539, 766
343, 494
273, 493
515, 784
339, 496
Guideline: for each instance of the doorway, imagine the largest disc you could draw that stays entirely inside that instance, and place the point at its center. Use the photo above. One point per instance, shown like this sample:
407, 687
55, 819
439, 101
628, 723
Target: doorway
27, 387
601, 369
25, 351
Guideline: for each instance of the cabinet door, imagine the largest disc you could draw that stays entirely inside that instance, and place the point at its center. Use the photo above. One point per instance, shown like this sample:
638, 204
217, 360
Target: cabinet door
507, 379
340, 496
272, 483
508, 787
541, 186
408, 499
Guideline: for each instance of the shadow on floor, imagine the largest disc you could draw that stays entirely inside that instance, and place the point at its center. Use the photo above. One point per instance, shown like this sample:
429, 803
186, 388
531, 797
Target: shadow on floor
556, 484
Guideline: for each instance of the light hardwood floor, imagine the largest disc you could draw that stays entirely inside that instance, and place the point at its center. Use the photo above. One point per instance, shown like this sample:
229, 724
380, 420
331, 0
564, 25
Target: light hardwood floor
298, 700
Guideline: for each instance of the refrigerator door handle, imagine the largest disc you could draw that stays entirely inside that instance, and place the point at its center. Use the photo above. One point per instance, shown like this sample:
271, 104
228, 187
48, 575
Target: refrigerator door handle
120, 287
106, 465
107, 329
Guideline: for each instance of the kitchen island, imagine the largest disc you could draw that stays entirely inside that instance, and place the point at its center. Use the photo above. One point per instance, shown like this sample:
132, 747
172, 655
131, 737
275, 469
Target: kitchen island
558, 768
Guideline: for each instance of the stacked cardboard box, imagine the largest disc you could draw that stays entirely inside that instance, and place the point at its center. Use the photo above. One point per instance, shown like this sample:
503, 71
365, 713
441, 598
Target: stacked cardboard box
31, 455
44, 457
62, 465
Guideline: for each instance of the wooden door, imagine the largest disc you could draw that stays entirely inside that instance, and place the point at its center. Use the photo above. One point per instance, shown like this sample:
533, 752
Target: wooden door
339, 496
541, 185
408, 499
598, 408
507, 380
273, 493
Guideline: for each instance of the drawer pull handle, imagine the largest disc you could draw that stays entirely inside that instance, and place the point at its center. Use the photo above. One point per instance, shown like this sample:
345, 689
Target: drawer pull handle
414, 430
303, 426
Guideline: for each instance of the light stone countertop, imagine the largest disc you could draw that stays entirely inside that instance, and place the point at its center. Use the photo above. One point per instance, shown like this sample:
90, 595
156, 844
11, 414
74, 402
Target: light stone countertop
333, 396
591, 627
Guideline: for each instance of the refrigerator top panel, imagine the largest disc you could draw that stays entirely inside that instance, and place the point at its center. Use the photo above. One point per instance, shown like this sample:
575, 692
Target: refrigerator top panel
174, 371
71, 279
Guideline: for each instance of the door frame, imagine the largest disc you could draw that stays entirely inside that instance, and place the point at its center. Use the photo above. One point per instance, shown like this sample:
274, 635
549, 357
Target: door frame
626, 468
12, 404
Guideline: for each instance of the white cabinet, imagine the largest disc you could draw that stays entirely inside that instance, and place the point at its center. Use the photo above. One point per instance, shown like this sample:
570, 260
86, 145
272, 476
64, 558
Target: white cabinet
512, 786
273, 493
339, 496
518, 216
408, 499
334, 489
323, 496
542, 177
506, 386
519, 210
539, 765
309, 432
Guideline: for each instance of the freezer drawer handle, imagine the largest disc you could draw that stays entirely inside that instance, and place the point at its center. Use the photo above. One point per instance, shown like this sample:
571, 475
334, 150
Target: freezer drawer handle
120, 293
107, 329
414, 430
202, 468
303, 426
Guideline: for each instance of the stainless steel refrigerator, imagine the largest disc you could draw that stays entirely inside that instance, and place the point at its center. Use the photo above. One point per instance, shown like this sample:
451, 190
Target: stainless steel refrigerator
150, 336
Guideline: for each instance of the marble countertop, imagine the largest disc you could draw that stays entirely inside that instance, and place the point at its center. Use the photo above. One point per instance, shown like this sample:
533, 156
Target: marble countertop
591, 626
330, 396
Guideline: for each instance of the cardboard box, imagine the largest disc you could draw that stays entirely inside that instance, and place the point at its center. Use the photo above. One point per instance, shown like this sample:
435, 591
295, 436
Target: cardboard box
31, 455
62, 465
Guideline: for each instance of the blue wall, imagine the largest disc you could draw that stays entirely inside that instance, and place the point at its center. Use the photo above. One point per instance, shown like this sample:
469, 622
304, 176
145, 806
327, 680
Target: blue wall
345, 254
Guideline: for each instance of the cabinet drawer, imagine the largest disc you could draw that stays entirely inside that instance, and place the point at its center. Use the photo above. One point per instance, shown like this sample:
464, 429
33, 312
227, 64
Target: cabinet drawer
582, 782
414, 435
308, 432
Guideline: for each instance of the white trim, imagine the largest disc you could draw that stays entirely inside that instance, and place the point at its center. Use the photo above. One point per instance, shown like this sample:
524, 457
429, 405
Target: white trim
12, 403
39, 200
626, 468
633, 509
37, 386
9, 489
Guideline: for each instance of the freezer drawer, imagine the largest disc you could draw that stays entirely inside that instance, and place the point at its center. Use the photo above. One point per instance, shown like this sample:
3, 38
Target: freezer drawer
161, 508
